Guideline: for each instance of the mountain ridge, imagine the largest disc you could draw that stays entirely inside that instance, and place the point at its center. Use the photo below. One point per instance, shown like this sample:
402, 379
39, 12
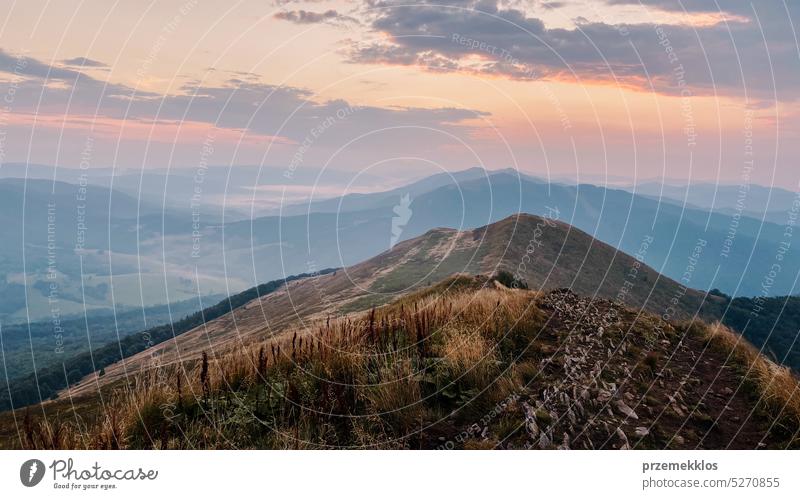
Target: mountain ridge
411, 264
552, 370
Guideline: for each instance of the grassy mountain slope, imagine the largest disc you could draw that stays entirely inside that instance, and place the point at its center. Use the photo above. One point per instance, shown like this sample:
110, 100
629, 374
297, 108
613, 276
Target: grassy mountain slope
772, 324
564, 257
467, 363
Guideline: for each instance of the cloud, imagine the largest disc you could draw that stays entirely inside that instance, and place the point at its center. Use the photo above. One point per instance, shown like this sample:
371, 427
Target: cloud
22, 65
288, 113
83, 62
307, 17
752, 53
733, 6
288, 2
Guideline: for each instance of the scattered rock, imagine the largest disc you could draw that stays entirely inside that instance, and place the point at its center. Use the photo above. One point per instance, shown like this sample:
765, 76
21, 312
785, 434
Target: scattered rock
626, 410
544, 441
624, 439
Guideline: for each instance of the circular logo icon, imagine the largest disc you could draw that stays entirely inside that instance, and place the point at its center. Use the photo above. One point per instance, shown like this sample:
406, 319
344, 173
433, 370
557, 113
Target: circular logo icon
31, 472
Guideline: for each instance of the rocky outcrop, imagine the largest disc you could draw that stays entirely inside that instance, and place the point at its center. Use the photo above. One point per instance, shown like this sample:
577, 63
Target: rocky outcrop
612, 378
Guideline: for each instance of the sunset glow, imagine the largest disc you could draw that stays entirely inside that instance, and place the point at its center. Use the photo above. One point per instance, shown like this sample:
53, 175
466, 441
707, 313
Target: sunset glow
625, 78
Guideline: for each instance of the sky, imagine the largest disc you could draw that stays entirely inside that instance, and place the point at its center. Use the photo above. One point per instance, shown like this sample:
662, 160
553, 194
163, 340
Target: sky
695, 90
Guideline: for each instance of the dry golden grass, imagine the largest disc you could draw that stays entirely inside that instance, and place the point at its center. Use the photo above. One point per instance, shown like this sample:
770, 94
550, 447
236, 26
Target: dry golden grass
363, 380
396, 394
372, 380
468, 356
777, 389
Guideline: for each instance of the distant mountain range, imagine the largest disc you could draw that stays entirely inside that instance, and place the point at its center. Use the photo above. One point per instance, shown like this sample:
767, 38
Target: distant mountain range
71, 248
771, 204
737, 253
133, 245
217, 191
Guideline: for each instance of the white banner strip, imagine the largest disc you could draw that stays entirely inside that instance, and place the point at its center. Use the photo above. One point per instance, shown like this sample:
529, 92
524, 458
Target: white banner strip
401, 474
